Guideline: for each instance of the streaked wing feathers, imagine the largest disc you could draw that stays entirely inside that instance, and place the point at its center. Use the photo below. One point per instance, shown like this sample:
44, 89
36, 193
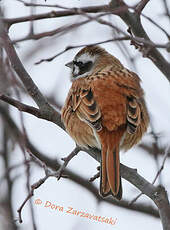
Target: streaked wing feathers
109, 98
133, 115
86, 107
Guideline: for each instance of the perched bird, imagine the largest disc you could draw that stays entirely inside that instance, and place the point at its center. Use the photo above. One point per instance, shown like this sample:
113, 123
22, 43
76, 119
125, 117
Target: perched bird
105, 109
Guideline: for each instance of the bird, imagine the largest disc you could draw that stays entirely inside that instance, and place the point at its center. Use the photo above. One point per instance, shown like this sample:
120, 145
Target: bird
104, 109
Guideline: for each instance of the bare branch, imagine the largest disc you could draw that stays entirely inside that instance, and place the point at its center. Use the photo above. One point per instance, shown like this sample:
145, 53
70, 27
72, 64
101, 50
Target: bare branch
26, 108
166, 8
156, 24
162, 165
129, 174
139, 41
41, 5
11, 168
31, 193
79, 46
67, 160
122, 10
140, 6
158, 173
147, 209
155, 150
97, 175
60, 31
32, 89
41, 181
19, 68
64, 13
134, 22
157, 194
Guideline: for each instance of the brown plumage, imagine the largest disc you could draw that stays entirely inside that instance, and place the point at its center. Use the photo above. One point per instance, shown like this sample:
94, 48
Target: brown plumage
104, 109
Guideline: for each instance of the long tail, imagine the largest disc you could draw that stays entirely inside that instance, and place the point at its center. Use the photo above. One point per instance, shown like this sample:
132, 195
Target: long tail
110, 179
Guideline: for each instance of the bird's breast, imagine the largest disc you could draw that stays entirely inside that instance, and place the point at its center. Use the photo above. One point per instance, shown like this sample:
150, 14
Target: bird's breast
81, 132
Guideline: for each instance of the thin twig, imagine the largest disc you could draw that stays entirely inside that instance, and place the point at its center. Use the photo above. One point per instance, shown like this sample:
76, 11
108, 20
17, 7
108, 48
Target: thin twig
97, 175
11, 168
156, 24
32, 11
67, 160
68, 12
42, 5
124, 38
27, 165
125, 51
60, 30
58, 174
79, 46
140, 6
166, 9
132, 20
30, 86
157, 175
31, 193
162, 165
20, 70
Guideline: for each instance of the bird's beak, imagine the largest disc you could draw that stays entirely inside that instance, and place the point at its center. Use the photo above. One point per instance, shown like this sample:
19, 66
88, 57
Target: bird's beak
69, 64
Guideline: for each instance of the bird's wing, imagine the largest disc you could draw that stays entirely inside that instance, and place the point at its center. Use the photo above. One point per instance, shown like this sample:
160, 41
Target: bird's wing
118, 95
85, 105
133, 114
108, 99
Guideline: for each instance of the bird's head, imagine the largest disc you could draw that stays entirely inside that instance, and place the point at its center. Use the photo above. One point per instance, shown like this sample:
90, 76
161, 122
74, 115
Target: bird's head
88, 60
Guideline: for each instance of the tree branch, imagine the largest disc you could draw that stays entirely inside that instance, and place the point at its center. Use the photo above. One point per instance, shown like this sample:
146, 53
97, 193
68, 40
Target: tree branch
79, 46
158, 195
30, 86
140, 6
136, 40
166, 9
64, 13
116, 7
52, 163
26, 108
157, 25
67, 160
133, 21
50, 33
41, 5
162, 165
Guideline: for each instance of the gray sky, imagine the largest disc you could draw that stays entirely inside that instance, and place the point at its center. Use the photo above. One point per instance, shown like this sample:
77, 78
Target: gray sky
54, 77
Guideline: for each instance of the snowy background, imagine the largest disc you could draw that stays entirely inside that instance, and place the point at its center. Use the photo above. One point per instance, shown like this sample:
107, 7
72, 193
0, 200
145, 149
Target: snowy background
53, 77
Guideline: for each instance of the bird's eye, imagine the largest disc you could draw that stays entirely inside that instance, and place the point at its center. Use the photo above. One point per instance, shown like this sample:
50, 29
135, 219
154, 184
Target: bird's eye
78, 63
80, 68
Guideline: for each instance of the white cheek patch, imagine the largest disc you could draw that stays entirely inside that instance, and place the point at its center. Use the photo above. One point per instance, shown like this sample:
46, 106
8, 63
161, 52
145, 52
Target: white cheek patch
76, 70
86, 57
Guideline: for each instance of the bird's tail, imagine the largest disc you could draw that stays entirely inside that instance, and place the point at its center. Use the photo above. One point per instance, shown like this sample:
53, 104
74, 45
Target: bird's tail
110, 179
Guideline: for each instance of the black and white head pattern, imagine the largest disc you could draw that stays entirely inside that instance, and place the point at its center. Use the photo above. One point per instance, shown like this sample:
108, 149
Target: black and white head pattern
81, 66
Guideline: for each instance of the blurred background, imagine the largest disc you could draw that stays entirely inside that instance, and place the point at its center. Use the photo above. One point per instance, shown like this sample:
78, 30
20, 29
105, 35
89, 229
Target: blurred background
19, 171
